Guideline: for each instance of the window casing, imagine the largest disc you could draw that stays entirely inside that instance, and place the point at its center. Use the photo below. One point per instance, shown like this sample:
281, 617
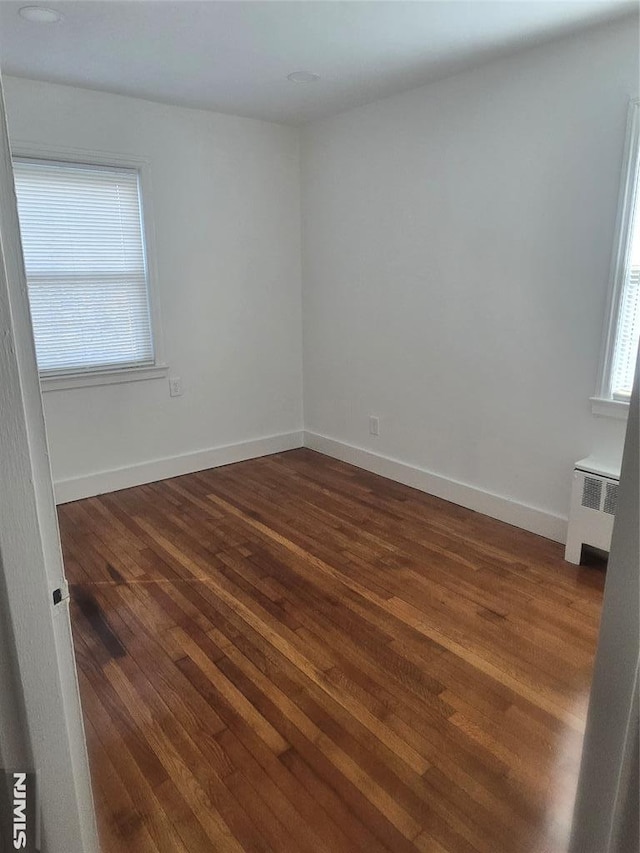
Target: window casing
86, 264
623, 320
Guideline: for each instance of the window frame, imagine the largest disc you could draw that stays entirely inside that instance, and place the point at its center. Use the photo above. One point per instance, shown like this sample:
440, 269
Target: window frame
604, 403
93, 376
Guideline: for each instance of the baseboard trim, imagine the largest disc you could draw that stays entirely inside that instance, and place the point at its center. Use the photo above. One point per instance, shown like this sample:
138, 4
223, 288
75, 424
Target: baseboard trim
512, 512
101, 482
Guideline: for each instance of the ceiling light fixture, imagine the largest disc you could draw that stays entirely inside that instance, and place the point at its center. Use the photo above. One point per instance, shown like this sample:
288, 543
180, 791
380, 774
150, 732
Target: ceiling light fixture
40, 14
303, 77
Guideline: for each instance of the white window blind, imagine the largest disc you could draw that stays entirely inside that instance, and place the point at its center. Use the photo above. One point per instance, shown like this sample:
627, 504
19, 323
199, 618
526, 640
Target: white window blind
84, 252
628, 328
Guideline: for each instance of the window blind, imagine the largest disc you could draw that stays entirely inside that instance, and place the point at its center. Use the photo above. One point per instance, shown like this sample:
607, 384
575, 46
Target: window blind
628, 329
84, 253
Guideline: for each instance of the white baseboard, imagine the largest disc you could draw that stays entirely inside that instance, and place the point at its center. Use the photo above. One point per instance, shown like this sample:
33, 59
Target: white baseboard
505, 509
102, 482
520, 515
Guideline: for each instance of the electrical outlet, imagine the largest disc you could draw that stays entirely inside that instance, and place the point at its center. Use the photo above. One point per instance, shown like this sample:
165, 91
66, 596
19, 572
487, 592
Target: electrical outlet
175, 386
374, 425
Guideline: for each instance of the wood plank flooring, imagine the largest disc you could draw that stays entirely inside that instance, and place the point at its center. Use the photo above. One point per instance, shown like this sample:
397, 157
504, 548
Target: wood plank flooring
291, 654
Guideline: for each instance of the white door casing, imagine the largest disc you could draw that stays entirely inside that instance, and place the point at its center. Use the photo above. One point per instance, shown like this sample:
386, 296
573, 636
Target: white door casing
31, 559
607, 797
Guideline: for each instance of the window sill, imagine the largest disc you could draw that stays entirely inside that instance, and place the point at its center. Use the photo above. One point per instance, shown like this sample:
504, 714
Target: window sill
603, 407
102, 377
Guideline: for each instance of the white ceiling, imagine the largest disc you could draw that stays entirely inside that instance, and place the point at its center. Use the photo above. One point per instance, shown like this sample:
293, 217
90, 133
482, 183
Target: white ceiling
234, 56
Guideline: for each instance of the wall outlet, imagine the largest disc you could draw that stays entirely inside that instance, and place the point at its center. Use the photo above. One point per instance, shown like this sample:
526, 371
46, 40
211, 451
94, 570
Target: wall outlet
175, 386
374, 425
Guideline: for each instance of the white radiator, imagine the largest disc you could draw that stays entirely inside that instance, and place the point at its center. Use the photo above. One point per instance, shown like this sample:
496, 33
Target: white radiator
594, 498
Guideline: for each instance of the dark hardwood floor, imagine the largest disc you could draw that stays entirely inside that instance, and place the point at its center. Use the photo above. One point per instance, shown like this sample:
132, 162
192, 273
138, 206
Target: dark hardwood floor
291, 654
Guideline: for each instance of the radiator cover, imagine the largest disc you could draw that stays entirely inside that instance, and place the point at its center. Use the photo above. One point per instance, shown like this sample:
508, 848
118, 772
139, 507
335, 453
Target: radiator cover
594, 499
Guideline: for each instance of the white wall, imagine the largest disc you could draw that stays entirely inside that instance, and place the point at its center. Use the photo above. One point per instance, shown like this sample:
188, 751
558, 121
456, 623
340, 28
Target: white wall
227, 221
456, 249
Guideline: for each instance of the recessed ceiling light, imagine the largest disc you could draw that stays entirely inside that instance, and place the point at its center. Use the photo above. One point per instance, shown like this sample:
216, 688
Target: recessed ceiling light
303, 77
40, 14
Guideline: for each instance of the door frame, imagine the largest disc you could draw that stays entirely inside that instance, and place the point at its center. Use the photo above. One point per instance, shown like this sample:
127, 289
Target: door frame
607, 801
31, 567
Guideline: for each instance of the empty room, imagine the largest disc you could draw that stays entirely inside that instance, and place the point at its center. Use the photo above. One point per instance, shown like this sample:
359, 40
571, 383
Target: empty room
319, 432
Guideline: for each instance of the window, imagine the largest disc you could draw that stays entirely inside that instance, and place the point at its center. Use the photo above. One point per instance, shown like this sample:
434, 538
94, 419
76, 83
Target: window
628, 326
623, 326
86, 267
